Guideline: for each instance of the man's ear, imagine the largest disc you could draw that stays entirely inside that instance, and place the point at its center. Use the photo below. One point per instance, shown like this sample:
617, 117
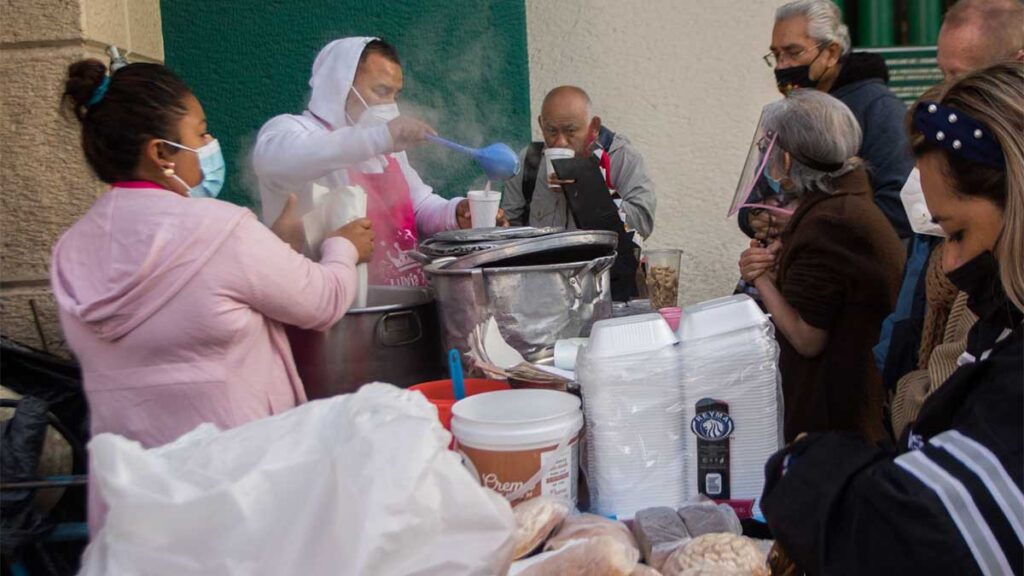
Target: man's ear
595, 126
835, 52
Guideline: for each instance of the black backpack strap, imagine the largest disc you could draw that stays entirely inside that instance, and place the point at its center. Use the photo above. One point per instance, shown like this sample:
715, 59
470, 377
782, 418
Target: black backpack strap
531, 164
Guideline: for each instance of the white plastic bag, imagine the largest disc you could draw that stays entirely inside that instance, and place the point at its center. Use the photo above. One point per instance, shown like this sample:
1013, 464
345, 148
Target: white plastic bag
333, 209
357, 484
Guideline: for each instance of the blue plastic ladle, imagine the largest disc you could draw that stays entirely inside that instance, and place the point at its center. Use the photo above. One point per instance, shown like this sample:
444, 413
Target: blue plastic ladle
455, 368
498, 161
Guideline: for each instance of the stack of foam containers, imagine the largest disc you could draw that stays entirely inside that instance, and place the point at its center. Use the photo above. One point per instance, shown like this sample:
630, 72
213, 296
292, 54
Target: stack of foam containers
729, 354
629, 374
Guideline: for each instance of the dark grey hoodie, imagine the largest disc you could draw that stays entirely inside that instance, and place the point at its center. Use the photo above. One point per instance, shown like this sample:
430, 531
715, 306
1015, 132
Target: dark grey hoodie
861, 85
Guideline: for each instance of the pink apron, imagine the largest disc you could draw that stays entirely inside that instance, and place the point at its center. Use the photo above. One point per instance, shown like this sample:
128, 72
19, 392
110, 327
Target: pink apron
389, 208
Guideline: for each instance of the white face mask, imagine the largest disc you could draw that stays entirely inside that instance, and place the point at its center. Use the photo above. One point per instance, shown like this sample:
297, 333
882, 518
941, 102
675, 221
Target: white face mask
374, 115
916, 208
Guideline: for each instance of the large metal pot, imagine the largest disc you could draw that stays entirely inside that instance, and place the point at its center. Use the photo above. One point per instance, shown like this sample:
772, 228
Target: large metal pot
394, 339
534, 305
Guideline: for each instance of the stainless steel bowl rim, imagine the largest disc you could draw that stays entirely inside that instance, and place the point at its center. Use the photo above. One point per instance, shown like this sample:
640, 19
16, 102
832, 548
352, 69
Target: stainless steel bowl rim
425, 297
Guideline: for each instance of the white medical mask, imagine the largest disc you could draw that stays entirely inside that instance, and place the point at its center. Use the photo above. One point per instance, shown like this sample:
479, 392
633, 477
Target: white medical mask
374, 115
917, 210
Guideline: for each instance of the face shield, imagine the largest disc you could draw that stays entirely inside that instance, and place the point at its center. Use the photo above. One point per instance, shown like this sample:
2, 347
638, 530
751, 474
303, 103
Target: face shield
755, 188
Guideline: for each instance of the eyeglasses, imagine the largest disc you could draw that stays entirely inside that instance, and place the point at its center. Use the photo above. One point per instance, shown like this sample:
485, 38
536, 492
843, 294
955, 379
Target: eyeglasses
772, 59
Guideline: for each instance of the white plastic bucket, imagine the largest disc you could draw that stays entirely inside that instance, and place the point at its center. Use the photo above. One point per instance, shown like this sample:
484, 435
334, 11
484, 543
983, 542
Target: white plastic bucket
521, 443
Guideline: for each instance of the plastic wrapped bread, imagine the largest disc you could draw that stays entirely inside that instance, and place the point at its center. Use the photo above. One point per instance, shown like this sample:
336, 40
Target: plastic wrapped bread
598, 556
720, 553
659, 532
536, 519
586, 526
585, 545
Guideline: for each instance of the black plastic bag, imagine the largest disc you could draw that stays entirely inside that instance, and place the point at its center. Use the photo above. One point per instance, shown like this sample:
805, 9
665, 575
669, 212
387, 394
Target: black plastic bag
21, 444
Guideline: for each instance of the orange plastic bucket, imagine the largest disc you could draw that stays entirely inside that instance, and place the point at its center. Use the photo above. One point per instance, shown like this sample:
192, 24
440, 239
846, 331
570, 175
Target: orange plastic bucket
441, 395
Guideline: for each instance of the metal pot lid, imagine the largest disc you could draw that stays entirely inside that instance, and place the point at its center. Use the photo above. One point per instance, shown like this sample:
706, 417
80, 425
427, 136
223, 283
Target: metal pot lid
575, 246
434, 249
456, 243
490, 234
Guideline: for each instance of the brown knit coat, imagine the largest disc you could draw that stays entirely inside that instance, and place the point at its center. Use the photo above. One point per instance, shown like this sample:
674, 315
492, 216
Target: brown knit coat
840, 268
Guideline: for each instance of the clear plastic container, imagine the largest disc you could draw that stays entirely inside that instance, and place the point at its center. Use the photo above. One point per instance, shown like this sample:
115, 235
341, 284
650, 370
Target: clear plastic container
663, 266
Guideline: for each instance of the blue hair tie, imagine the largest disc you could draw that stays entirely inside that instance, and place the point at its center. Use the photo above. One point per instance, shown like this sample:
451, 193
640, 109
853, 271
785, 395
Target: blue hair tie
99, 93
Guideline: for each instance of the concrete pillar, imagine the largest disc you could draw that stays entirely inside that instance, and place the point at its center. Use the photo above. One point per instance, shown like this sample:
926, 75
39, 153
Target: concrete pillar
45, 184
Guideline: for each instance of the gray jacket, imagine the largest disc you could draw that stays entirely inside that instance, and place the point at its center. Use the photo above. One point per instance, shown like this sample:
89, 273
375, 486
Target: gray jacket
547, 208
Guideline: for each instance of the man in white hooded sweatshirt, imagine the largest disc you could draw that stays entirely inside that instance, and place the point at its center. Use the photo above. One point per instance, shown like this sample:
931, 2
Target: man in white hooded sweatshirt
351, 134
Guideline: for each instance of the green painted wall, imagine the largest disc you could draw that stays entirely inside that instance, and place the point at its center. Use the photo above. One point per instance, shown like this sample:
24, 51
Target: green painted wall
465, 65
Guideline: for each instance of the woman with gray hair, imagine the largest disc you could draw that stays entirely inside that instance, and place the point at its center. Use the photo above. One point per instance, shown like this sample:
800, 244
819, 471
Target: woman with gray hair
833, 273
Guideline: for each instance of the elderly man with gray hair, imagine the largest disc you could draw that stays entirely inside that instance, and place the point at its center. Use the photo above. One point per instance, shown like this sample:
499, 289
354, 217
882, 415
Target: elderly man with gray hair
811, 49
567, 122
832, 275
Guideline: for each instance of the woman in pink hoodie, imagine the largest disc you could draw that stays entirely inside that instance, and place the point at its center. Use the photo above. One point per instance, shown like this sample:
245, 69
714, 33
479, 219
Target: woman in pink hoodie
174, 302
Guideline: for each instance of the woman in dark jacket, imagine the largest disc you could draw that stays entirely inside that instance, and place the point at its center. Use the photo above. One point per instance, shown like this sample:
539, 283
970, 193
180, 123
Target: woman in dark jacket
838, 273
949, 501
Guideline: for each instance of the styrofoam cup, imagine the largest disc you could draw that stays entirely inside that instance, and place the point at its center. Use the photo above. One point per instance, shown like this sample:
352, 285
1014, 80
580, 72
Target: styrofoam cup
483, 207
566, 351
556, 154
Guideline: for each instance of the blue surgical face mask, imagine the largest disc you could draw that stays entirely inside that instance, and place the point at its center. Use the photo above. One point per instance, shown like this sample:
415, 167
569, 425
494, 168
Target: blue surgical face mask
774, 184
211, 162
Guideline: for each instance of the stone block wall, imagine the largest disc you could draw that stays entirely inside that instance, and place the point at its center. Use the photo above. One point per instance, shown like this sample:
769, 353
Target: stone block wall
45, 184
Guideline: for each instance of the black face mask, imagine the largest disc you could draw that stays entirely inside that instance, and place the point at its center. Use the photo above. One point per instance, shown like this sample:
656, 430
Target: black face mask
789, 79
978, 277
